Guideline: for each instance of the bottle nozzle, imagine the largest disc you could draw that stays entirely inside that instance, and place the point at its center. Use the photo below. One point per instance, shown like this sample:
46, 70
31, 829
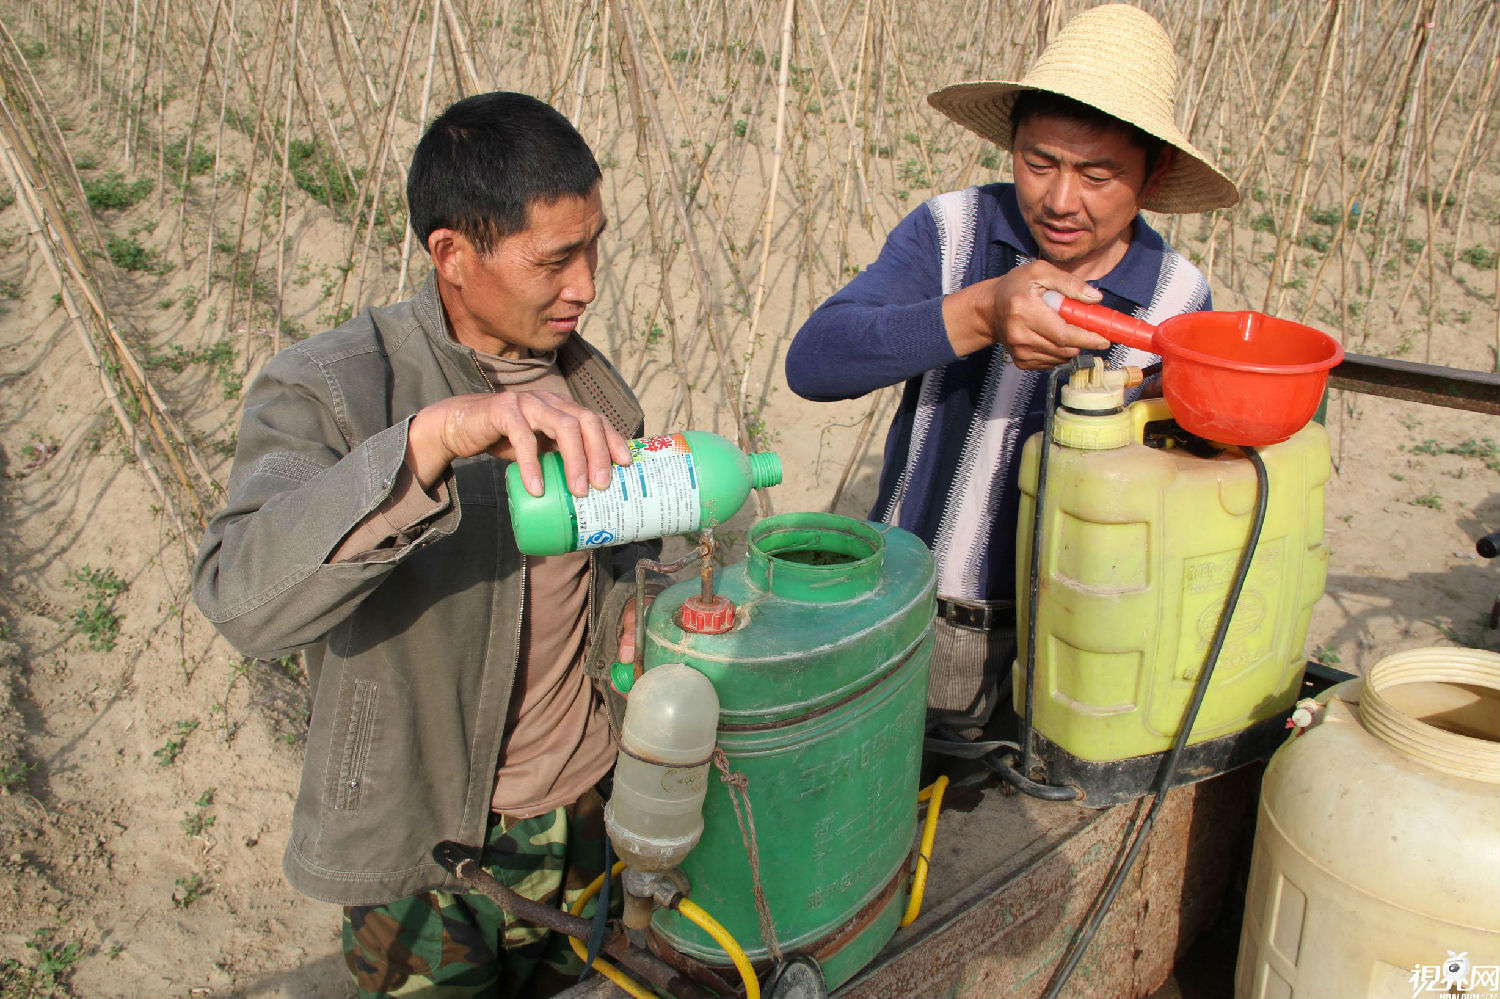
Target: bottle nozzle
765, 469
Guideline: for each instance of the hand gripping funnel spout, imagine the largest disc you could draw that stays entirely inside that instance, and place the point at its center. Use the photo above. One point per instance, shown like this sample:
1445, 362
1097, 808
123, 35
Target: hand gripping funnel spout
655, 815
1238, 378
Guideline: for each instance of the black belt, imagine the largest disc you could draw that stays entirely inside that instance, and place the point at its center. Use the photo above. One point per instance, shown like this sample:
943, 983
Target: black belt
976, 615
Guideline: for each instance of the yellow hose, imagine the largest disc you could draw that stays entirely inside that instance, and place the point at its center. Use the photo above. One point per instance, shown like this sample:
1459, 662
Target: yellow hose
695, 913
933, 795
604, 968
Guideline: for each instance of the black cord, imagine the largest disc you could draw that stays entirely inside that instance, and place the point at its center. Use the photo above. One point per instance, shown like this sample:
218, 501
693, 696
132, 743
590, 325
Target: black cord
1034, 587
601, 914
1169, 766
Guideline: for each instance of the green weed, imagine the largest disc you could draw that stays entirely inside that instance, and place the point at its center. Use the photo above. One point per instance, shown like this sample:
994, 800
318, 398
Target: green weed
53, 963
1423, 196
40, 451
320, 174
201, 161
291, 665
1485, 450
127, 253
168, 753
112, 191
1430, 500
1481, 257
912, 173
96, 620
220, 355
189, 890
1265, 222
13, 775
196, 823
336, 317
199, 822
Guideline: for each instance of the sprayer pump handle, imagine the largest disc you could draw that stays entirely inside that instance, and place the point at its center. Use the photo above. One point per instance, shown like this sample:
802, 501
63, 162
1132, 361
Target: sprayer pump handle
1114, 326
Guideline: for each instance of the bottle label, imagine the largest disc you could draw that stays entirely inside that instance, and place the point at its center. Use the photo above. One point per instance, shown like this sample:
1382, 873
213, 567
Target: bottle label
656, 495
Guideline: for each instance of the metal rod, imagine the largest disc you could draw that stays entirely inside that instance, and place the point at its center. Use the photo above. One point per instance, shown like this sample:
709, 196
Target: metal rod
1433, 384
706, 568
456, 860
704, 550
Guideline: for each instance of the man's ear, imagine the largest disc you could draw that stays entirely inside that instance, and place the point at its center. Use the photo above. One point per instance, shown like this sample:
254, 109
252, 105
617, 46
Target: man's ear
450, 251
1164, 163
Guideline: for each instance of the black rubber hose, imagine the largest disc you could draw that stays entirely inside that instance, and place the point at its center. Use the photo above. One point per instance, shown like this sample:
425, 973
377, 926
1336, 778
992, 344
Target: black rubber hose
940, 740
1046, 792
1169, 766
1489, 545
1034, 586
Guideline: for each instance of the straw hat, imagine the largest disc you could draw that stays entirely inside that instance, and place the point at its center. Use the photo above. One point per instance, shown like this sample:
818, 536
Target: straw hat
1118, 59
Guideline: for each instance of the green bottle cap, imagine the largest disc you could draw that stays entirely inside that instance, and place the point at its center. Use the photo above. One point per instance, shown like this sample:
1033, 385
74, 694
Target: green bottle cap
622, 675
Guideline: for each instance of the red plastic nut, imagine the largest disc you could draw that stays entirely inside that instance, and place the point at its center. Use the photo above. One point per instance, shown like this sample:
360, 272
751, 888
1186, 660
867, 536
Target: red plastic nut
706, 617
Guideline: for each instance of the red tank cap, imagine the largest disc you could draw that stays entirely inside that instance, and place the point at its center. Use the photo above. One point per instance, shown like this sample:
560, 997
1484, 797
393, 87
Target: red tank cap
706, 617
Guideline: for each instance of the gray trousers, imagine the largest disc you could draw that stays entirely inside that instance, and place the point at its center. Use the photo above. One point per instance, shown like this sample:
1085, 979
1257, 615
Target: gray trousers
970, 672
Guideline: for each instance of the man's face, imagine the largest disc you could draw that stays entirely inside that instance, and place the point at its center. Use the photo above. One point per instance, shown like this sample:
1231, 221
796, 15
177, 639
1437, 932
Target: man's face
1079, 188
530, 290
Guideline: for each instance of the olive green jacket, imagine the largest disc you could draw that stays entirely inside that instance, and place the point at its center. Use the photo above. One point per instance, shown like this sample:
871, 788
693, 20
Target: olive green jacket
412, 649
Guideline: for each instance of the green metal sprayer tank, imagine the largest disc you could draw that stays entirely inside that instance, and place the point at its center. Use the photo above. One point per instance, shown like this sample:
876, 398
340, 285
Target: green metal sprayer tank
822, 687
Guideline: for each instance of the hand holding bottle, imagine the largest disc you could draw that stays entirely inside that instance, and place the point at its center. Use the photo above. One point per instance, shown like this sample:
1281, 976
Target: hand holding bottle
517, 426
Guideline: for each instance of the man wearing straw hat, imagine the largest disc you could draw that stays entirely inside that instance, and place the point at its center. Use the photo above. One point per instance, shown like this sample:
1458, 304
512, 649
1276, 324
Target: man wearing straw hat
952, 309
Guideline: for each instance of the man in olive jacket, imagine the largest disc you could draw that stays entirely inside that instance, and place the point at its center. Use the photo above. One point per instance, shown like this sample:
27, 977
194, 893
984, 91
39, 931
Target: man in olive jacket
367, 523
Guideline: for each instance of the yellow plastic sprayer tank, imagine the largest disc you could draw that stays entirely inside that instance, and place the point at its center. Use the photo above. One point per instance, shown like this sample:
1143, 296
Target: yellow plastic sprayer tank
1139, 547
1376, 869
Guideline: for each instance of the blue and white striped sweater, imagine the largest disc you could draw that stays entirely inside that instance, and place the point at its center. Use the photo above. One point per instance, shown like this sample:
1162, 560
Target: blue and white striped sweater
949, 474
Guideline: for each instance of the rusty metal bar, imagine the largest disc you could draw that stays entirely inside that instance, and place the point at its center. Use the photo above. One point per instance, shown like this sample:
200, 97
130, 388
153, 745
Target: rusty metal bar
1433, 384
704, 550
456, 861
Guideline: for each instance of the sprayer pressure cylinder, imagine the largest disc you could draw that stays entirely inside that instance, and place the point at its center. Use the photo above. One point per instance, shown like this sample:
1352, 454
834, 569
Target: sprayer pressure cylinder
674, 484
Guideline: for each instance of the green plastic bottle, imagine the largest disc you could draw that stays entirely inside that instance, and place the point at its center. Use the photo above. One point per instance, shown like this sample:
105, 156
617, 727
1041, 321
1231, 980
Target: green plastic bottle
674, 484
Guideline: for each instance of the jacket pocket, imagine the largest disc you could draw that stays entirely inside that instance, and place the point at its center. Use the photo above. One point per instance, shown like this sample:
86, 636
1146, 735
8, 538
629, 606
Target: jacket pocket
350, 751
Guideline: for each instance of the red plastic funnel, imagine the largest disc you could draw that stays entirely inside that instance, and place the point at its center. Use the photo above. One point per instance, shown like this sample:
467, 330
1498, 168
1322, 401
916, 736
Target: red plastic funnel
1232, 377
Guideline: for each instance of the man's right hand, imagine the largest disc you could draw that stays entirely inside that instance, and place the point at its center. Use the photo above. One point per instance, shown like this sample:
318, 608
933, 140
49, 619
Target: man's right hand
516, 426
1009, 310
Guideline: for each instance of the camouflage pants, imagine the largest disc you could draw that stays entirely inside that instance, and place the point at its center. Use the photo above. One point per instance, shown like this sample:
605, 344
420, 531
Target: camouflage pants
448, 946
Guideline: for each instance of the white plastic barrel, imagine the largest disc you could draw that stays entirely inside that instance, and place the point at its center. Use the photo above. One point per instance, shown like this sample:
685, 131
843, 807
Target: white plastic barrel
1376, 869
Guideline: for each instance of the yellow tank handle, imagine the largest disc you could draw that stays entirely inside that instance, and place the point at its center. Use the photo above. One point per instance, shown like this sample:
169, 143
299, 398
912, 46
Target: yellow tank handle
933, 795
606, 969
708, 924
1144, 411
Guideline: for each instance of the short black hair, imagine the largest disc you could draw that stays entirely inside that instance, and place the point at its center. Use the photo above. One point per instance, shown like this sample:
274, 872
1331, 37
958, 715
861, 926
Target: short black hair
483, 162
1044, 103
